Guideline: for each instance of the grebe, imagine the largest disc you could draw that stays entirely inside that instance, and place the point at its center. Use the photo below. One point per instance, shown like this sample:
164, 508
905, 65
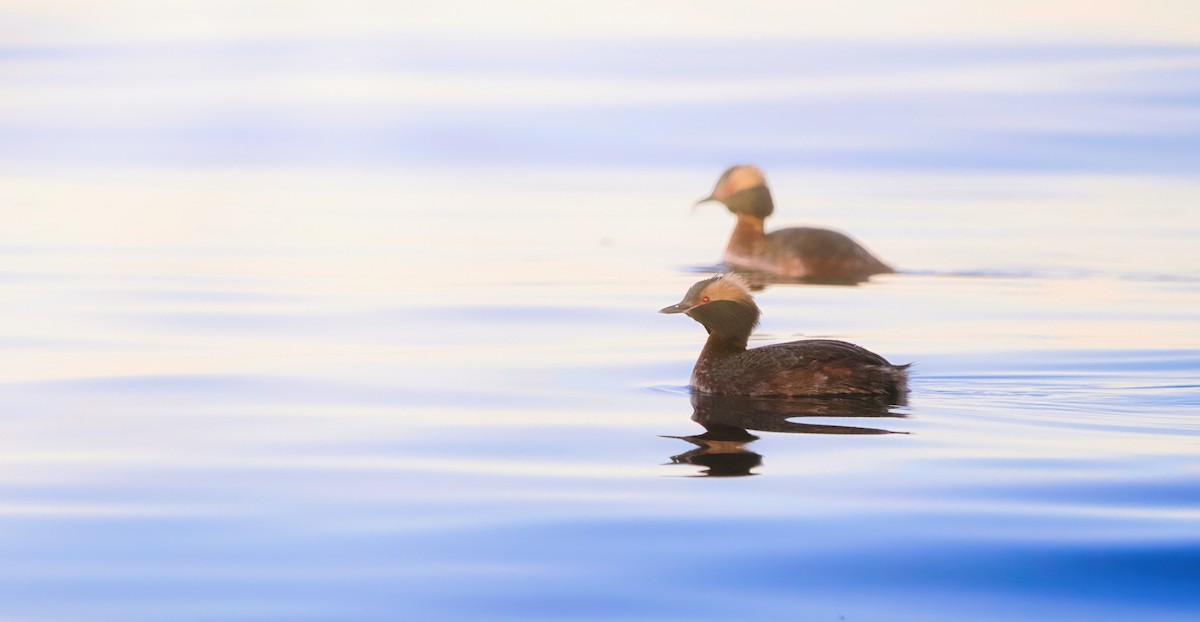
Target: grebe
724, 306
796, 252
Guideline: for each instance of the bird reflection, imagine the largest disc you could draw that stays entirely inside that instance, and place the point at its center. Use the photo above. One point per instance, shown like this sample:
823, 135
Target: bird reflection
722, 448
759, 280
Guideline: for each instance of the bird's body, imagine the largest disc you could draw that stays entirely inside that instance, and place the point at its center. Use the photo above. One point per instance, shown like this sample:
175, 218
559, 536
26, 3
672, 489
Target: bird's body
809, 367
795, 252
724, 306
800, 252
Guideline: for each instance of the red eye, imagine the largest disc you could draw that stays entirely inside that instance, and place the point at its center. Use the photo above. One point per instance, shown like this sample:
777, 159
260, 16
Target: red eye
704, 300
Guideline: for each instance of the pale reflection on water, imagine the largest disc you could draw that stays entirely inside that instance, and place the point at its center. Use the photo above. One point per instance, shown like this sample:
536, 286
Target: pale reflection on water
469, 418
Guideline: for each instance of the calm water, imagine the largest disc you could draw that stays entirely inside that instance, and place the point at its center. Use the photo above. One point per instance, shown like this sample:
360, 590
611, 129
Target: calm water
268, 366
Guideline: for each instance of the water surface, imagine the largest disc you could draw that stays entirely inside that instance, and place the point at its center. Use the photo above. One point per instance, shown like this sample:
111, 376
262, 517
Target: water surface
382, 363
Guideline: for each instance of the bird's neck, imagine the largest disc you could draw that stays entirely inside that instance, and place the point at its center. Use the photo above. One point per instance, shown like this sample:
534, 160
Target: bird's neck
719, 347
729, 325
747, 238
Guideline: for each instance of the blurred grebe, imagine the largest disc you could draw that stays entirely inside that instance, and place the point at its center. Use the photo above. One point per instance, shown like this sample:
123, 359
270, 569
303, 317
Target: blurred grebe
796, 252
724, 306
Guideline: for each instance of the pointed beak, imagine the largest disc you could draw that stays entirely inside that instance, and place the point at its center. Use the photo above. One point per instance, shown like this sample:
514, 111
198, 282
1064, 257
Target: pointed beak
675, 308
702, 202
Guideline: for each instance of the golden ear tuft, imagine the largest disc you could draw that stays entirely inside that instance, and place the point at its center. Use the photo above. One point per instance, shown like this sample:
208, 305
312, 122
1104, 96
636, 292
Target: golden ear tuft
736, 279
746, 176
730, 286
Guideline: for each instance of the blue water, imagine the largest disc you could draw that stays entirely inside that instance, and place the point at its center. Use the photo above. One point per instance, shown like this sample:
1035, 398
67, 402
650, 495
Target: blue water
318, 327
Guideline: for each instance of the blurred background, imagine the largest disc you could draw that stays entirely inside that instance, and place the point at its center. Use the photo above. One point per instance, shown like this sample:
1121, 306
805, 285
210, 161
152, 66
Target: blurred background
1106, 86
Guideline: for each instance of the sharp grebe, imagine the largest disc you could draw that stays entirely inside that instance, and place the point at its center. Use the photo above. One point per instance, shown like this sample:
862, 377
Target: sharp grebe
724, 306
